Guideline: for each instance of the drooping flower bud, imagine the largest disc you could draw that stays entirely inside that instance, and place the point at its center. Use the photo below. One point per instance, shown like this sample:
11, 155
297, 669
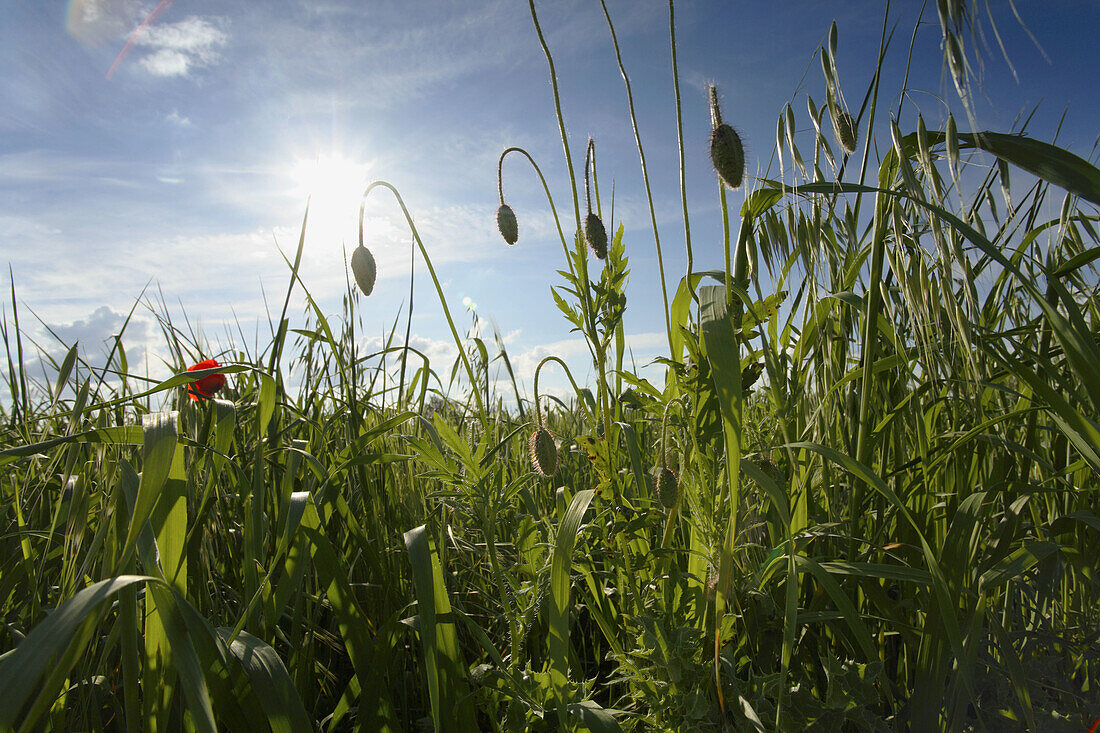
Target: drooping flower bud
364, 269
665, 486
507, 224
544, 453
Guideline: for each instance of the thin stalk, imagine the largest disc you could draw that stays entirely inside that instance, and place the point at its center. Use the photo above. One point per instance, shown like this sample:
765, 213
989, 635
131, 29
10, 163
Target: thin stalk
568, 374
545, 187
870, 328
585, 285
680, 147
561, 118
438, 289
408, 324
874, 105
645, 176
584, 296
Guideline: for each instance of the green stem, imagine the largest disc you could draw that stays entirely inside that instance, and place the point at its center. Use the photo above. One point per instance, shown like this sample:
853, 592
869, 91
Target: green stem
870, 327
585, 283
561, 118
438, 289
545, 187
584, 294
680, 145
568, 374
408, 325
645, 177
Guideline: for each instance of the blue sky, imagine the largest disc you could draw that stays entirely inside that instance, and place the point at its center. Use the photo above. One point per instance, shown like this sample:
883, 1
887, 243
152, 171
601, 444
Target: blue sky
190, 165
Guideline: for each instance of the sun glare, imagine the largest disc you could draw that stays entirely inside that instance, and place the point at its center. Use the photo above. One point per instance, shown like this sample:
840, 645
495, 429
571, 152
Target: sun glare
330, 180
334, 185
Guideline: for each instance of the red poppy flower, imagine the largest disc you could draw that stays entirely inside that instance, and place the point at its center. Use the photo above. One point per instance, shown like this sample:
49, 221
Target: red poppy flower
200, 389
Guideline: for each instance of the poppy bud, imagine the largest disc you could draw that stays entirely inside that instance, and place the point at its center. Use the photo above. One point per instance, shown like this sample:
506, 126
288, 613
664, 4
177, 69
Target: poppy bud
596, 236
364, 269
728, 155
665, 485
507, 224
544, 452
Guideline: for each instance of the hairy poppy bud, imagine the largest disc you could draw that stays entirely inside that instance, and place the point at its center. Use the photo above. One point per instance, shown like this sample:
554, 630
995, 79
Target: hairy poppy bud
665, 485
364, 269
844, 127
544, 452
507, 224
728, 155
596, 236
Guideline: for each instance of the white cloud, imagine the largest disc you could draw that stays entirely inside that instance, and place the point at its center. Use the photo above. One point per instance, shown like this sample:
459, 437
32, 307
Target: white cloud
176, 118
98, 328
177, 48
166, 62
94, 334
15, 227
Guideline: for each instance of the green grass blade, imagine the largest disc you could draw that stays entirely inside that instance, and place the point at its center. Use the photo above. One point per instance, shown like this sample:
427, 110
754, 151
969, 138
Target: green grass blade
723, 355
452, 707
1041, 159
640, 483
270, 682
22, 669
558, 613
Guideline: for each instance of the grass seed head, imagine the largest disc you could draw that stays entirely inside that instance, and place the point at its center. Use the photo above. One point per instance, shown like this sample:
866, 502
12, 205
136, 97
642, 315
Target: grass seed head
728, 155
596, 235
544, 453
507, 224
364, 269
846, 133
666, 486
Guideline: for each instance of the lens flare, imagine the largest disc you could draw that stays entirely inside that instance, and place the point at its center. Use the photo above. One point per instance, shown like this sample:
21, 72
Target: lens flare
149, 19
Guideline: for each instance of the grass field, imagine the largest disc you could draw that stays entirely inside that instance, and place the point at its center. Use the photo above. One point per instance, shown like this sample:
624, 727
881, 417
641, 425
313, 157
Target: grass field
863, 495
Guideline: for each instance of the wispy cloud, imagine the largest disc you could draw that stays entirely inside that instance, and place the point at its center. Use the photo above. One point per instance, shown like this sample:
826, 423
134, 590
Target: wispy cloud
176, 118
175, 49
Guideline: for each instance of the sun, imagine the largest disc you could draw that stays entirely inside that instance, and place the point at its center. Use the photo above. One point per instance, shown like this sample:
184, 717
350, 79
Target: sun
334, 184
330, 180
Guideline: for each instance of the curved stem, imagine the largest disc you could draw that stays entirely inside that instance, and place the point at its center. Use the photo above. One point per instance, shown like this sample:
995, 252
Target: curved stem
645, 177
584, 297
585, 286
565, 367
545, 187
680, 143
561, 118
438, 289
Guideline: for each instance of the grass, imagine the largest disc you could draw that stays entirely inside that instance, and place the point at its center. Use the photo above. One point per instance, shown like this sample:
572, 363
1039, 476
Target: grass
881, 417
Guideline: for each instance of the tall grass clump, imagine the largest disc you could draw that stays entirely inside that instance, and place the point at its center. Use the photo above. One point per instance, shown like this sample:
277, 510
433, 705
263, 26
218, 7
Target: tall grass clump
861, 494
